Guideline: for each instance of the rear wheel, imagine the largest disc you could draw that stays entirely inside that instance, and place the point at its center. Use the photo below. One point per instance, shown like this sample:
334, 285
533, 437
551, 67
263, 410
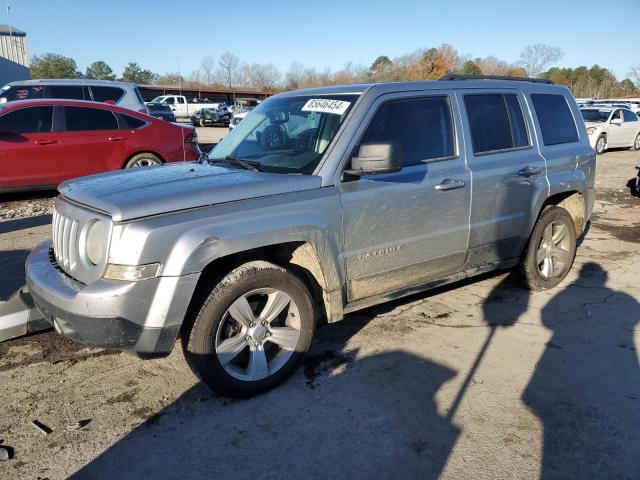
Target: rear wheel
601, 144
636, 143
251, 331
551, 250
143, 160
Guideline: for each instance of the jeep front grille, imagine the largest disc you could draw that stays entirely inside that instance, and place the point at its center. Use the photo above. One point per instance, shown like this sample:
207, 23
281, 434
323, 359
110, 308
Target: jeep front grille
65, 241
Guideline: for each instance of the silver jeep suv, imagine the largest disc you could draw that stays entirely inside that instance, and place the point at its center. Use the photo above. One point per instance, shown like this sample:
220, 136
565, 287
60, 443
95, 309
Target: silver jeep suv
319, 203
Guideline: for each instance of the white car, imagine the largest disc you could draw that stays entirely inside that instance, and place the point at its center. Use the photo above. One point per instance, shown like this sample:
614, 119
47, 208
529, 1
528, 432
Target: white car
611, 128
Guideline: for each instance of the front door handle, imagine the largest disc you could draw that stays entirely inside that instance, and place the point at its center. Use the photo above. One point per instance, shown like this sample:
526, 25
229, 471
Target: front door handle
449, 184
529, 171
117, 139
45, 141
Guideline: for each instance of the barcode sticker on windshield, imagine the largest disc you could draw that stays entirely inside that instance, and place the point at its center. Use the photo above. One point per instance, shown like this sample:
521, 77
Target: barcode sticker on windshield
325, 105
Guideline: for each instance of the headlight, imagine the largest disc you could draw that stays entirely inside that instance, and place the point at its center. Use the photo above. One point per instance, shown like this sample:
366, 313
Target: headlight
132, 273
96, 242
591, 130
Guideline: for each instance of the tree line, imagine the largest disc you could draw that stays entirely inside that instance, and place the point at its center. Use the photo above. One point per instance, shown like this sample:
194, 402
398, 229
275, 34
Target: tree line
538, 61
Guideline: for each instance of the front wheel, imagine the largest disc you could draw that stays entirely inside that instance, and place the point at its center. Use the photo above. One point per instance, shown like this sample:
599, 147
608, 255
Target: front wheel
251, 331
551, 250
601, 144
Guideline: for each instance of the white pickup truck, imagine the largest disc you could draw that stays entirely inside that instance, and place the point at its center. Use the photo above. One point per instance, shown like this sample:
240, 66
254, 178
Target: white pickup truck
181, 107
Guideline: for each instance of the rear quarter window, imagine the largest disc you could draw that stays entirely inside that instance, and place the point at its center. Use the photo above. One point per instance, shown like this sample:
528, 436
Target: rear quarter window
107, 94
127, 122
554, 116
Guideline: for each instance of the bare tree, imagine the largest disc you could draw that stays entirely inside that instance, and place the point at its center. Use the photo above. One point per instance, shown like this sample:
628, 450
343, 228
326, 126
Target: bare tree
208, 68
294, 76
228, 69
634, 76
537, 57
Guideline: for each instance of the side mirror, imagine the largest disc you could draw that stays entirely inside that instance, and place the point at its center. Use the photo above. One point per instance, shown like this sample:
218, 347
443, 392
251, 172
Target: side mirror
616, 121
375, 158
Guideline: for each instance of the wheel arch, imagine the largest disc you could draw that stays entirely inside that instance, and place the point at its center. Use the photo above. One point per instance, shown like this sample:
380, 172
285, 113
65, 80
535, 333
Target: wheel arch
300, 257
573, 202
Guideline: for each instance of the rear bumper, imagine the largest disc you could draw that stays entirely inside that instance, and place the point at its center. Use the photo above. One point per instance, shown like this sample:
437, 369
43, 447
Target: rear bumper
141, 317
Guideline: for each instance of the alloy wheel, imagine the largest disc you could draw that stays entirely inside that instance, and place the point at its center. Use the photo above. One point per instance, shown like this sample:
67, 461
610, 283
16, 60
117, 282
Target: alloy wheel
553, 255
258, 334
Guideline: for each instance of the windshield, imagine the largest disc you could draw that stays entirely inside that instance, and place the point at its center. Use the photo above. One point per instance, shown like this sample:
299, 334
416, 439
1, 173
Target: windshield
287, 135
593, 115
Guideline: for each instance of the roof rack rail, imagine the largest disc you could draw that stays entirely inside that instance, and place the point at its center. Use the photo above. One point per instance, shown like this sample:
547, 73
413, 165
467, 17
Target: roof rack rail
455, 76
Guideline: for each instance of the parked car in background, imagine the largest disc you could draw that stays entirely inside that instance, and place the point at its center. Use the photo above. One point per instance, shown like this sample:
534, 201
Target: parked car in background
182, 108
241, 108
124, 95
43, 142
210, 117
320, 203
161, 111
610, 127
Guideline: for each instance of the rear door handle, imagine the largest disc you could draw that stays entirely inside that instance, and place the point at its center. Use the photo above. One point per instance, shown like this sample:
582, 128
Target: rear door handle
529, 171
44, 141
117, 139
449, 184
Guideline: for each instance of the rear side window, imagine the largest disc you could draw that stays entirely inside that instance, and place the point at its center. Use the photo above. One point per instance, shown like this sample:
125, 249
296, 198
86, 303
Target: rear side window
27, 120
86, 119
107, 94
555, 119
16, 92
629, 116
423, 126
71, 92
496, 122
127, 122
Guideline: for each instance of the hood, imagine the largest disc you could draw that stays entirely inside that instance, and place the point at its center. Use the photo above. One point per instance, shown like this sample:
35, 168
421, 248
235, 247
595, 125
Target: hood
145, 191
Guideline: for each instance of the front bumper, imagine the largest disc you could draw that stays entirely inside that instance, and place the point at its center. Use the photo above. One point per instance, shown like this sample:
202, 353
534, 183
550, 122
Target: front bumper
142, 317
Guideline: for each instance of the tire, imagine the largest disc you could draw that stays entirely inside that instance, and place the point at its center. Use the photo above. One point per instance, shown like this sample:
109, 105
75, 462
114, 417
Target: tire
202, 123
636, 143
601, 144
143, 160
547, 260
637, 185
224, 343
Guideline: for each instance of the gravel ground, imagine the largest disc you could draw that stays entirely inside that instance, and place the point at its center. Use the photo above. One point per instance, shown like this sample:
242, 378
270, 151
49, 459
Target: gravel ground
477, 380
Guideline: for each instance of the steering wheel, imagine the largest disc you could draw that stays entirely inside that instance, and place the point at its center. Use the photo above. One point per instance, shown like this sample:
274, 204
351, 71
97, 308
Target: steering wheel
274, 137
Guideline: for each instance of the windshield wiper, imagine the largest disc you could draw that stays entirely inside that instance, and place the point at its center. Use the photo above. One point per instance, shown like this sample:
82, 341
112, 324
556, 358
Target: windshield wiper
236, 161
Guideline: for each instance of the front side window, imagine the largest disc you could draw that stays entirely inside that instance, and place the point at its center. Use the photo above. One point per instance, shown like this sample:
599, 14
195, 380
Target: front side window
421, 126
27, 120
70, 92
617, 115
88, 119
496, 122
288, 134
107, 94
555, 118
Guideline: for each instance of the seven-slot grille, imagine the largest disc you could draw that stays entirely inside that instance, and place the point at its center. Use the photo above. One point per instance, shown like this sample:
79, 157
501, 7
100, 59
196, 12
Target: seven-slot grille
65, 240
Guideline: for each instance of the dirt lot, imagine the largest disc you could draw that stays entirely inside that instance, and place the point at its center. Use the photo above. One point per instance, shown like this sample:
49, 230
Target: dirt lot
476, 380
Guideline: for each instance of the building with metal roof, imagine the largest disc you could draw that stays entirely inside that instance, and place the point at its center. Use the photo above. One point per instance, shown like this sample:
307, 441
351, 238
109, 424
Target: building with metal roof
14, 59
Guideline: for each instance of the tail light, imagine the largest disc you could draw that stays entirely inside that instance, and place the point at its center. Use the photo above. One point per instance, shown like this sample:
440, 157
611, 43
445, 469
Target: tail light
191, 138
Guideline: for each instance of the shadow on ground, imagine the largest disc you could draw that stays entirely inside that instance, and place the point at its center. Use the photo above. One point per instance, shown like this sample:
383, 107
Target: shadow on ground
349, 416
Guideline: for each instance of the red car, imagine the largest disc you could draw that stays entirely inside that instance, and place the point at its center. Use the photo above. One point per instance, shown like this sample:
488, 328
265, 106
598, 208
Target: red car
43, 142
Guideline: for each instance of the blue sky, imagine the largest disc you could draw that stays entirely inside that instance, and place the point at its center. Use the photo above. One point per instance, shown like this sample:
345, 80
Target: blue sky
325, 33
